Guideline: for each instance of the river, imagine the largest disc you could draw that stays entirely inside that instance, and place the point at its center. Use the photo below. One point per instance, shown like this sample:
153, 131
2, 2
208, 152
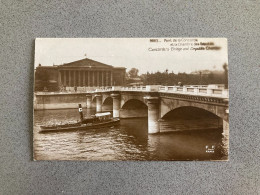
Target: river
129, 141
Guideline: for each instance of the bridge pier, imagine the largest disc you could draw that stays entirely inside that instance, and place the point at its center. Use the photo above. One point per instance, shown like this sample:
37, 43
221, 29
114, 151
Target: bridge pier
98, 103
153, 114
116, 104
89, 101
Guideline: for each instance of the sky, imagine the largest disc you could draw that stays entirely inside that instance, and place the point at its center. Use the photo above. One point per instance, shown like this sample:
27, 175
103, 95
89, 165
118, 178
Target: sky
140, 53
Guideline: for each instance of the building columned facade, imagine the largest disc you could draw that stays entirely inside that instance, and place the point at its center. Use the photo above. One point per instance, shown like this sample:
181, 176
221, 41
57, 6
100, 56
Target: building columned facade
82, 73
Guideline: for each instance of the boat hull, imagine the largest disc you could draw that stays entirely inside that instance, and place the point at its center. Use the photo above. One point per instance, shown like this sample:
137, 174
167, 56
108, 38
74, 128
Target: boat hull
110, 123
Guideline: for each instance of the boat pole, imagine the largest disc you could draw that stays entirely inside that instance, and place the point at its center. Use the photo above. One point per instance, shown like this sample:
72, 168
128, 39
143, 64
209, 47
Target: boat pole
80, 113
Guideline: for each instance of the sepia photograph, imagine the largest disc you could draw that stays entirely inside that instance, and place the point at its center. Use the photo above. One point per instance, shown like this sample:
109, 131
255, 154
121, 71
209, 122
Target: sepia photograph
138, 99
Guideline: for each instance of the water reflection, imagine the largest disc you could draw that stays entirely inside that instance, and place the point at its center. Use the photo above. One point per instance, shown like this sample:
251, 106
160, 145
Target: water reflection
129, 141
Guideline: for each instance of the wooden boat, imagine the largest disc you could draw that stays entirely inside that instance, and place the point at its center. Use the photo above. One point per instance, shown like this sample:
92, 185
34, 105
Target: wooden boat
95, 121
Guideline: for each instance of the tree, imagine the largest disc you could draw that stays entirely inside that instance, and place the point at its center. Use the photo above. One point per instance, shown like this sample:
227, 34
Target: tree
133, 73
41, 75
225, 67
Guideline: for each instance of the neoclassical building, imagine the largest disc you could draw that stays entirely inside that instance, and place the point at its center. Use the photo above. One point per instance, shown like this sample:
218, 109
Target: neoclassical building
85, 72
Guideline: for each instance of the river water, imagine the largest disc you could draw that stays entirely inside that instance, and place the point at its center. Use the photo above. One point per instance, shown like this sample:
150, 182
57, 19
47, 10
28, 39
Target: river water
128, 141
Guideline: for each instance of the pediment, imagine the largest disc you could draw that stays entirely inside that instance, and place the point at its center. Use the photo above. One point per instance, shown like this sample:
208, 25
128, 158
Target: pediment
85, 63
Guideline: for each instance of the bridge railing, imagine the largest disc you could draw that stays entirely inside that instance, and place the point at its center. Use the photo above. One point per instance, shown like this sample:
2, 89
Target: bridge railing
203, 90
142, 88
200, 90
134, 88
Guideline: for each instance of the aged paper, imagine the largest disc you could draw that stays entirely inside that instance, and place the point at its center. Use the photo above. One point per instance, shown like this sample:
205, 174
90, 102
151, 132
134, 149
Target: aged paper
131, 99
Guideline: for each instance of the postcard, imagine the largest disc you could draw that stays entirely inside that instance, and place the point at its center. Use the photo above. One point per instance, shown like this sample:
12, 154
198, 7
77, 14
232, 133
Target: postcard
138, 99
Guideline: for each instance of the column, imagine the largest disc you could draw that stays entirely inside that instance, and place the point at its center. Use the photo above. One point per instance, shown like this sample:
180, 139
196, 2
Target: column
111, 75
62, 77
93, 78
153, 114
84, 78
98, 84
81, 76
98, 103
116, 105
225, 128
107, 84
59, 78
102, 74
65, 78
74, 78
108, 78
89, 100
79, 79
69, 78
88, 79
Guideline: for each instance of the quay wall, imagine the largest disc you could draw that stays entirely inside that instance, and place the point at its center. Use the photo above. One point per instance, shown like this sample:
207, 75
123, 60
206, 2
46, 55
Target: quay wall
59, 101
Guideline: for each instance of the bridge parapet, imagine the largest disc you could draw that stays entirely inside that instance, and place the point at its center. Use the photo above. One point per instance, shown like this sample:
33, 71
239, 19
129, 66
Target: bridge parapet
198, 90
155, 88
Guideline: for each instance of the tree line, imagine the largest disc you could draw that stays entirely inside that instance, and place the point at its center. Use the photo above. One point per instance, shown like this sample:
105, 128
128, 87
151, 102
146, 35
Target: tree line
202, 77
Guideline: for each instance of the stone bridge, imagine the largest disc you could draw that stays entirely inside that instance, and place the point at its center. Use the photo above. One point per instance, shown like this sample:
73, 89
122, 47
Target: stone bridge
156, 102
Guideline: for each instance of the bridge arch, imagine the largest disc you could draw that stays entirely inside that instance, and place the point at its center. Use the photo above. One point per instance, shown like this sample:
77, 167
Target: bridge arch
191, 118
134, 108
107, 104
168, 105
106, 97
183, 110
134, 104
93, 102
126, 98
107, 100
